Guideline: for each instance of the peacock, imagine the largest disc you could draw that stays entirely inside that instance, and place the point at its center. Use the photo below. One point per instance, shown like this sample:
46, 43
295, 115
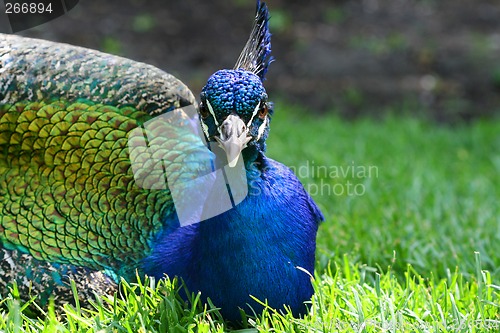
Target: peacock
86, 139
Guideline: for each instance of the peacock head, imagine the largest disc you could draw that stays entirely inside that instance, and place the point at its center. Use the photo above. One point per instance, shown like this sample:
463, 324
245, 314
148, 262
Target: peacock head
235, 112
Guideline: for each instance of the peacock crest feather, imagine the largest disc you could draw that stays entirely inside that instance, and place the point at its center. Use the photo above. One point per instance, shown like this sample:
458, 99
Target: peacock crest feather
256, 55
71, 204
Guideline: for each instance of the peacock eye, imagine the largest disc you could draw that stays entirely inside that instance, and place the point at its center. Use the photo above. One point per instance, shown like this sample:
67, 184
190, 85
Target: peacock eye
264, 109
203, 110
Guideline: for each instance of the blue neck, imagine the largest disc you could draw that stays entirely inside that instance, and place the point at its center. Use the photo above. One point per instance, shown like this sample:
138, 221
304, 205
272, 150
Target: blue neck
253, 249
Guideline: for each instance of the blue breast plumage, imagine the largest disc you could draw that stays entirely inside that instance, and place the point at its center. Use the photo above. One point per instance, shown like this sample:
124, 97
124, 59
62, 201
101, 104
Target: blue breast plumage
72, 204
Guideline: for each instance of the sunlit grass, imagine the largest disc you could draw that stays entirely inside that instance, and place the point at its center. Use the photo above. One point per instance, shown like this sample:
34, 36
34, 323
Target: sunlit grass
431, 200
413, 250
350, 298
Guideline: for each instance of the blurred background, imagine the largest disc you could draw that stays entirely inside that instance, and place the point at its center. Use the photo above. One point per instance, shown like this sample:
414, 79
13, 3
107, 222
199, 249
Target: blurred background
435, 58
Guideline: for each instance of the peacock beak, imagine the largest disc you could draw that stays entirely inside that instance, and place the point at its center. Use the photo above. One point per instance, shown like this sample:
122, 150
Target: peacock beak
233, 138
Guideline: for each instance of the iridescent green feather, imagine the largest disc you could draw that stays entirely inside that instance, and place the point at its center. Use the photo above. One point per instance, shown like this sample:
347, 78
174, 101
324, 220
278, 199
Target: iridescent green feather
67, 192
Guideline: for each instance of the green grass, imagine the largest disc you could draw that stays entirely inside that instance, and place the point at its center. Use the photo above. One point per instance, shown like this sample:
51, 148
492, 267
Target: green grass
412, 248
431, 200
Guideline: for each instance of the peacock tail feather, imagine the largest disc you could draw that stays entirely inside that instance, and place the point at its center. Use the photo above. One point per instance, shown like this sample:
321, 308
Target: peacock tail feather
101, 159
67, 192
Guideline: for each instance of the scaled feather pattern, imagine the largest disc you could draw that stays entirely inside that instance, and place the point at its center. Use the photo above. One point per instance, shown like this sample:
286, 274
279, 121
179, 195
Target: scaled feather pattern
72, 206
